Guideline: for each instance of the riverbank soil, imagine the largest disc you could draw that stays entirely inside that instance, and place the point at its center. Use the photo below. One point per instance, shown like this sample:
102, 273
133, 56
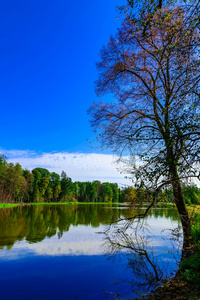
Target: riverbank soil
175, 289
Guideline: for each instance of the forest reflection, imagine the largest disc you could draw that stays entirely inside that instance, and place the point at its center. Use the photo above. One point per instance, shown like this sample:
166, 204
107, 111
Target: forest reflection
35, 223
137, 251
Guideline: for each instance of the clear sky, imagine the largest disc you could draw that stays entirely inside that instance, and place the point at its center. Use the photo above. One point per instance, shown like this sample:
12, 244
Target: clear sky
48, 52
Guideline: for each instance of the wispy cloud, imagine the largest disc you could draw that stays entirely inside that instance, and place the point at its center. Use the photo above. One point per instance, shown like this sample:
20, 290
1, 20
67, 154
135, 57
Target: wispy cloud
78, 166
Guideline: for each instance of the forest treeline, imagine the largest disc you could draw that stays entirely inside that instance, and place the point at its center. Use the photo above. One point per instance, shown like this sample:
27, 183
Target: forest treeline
39, 185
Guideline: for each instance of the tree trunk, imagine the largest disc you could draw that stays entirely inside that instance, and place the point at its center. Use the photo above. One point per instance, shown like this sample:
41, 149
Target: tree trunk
180, 204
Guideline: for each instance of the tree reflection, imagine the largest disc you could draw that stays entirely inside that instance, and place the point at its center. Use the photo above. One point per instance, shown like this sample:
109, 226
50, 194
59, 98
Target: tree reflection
132, 241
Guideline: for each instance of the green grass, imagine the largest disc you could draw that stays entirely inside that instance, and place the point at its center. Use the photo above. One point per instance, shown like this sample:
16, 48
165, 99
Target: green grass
64, 203
191, 265
5, 205
191, 269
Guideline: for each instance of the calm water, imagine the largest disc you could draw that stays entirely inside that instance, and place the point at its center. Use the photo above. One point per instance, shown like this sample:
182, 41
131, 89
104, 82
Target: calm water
63, 252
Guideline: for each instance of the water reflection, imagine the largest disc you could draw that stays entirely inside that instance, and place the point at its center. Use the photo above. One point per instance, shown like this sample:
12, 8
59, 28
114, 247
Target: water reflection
59, 245
37, 222
148, 247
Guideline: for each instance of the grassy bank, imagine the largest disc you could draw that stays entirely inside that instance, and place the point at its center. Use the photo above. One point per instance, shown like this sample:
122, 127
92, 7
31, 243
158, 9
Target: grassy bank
65, 203
191, 208
6, 205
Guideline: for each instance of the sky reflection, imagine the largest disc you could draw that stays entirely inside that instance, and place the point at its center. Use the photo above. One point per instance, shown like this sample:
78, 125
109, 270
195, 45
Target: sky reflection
64, 246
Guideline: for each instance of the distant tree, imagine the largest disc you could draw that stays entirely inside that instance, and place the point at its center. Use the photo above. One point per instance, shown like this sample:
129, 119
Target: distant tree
20, 185
43, 185
82, 191
63, 175
115, 190
3, 183
36, 193
97, 186
43, 172
49, 193
191, 194
131, 194
88, 191
55, 185
76, 190
91, 192
106, 193
66, 186
57, 191
122, 195
30, 179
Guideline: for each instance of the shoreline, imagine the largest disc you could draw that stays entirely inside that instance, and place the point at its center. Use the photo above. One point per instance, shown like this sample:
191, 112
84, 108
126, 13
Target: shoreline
185, 285
174, 288
6, 205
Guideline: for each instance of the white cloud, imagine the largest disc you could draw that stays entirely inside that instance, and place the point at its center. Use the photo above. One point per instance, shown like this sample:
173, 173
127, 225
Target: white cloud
78, 166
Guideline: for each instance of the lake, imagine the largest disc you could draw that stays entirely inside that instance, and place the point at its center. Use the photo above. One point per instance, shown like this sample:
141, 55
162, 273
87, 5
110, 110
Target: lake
70, 251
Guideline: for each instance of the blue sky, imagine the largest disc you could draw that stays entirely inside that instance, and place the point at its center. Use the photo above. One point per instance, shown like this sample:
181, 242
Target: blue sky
48, 52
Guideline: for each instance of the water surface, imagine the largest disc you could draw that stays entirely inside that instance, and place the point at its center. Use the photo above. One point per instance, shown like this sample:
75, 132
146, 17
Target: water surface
62, 252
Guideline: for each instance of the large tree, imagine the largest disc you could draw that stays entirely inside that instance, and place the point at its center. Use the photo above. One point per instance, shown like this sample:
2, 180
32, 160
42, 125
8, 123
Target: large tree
155, 109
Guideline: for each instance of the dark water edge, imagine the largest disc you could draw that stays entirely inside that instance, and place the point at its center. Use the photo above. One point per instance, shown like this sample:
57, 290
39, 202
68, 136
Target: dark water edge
55, 252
